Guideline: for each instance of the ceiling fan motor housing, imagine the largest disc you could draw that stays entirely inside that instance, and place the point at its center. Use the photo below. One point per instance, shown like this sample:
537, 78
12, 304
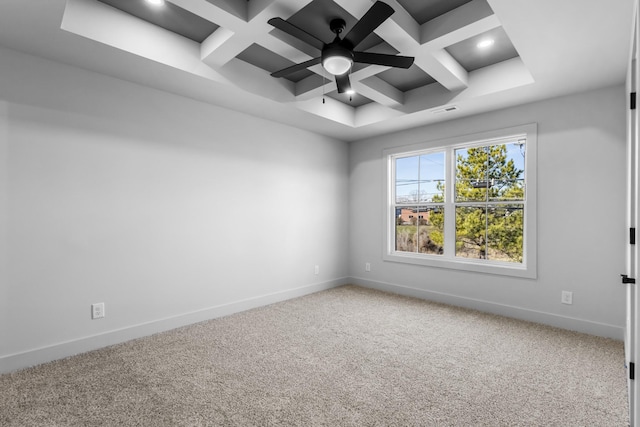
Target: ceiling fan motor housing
337, 26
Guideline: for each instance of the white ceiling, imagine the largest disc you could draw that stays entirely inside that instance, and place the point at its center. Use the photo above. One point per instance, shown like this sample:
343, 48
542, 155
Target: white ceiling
564, 46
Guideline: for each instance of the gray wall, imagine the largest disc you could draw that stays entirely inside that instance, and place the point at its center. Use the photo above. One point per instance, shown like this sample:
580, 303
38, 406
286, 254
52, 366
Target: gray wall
167, 210
172, 211
581, 217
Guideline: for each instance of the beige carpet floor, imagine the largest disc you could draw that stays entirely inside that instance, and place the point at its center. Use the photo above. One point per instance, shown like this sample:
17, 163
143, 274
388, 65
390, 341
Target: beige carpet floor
344, 357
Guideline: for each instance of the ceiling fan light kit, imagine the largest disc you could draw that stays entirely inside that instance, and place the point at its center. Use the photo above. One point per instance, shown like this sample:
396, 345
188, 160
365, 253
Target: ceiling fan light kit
338, 57
337, 60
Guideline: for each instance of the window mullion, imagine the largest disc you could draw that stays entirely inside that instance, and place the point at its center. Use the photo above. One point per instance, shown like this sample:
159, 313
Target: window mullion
449, 205
486, 204
392, 205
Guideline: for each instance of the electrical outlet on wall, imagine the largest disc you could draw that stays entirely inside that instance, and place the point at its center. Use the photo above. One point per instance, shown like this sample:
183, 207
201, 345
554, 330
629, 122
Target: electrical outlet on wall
316, 270
367, 266
567, 297
97, 310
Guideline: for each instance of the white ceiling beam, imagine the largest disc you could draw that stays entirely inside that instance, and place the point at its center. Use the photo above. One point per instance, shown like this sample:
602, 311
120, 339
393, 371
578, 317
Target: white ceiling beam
286, 46
214, 41
228, 49
224, 44
379, 91
499, 77
235, 33
444, 68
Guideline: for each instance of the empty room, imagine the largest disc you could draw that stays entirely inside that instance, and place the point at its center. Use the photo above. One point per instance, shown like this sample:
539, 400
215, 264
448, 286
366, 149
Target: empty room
319, 212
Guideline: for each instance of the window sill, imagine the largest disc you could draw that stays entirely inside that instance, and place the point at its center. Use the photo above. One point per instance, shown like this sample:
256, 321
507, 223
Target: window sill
463, 264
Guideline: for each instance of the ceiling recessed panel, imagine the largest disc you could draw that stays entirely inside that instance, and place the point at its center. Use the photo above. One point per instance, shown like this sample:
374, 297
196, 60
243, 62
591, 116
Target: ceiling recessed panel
406, 80
471, 57
315, 17
169, 16
260, 57
356, 100
426, 10
234, 7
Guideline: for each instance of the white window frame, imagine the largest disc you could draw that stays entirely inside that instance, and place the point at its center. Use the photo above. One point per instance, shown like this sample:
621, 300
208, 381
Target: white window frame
526, 269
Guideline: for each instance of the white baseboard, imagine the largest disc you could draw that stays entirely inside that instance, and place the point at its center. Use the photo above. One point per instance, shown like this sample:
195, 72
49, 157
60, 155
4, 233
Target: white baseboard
13, 362
564, 322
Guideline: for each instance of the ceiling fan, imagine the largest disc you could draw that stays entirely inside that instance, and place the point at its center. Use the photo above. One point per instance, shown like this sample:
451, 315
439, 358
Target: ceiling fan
338, 56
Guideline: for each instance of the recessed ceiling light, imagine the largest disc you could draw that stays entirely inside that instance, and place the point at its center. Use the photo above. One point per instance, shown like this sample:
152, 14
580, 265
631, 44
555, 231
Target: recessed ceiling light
485, 43
156, 2
350, 92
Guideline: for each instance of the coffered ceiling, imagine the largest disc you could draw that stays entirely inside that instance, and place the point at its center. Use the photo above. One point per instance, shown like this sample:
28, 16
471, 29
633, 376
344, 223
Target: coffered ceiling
224, 51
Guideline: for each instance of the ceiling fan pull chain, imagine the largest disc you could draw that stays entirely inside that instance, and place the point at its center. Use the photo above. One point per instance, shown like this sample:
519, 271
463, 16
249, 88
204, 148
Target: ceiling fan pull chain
324, 82
351, 88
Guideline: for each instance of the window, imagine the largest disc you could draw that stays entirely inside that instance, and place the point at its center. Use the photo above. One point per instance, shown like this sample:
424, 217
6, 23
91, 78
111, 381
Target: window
465, 203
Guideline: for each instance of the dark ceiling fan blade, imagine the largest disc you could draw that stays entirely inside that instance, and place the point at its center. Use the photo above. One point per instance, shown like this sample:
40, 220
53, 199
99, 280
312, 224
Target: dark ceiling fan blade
297, 67
296, 32
343, 83
371, 20
383, 59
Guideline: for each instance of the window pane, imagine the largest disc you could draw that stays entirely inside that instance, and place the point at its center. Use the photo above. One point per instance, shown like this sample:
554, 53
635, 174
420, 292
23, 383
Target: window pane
505, 232
471, 232
406, 229
495, 232
420, 229
472, 180
432, 177
506, 171
407, 177
431, 230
